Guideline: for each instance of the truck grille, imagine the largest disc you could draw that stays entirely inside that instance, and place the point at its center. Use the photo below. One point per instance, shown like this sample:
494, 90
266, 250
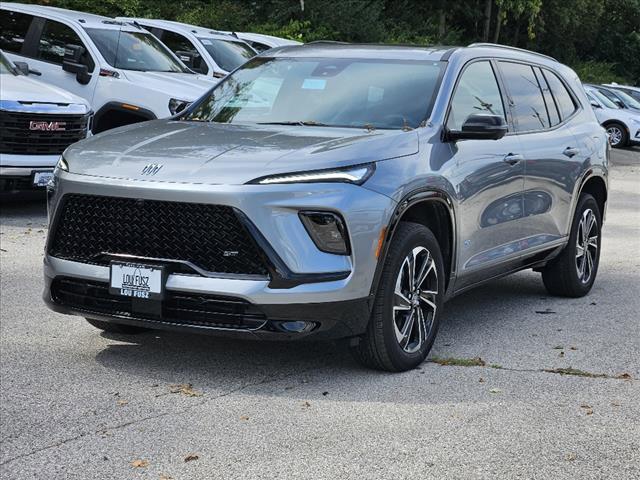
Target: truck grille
189, 309
88, 228
17, 137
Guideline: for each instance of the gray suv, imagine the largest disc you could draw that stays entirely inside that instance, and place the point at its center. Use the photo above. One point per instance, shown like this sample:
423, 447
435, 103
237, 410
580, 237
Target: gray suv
334, 191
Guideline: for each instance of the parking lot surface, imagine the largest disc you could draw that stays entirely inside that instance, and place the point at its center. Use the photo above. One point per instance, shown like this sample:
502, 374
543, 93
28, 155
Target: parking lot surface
534, 386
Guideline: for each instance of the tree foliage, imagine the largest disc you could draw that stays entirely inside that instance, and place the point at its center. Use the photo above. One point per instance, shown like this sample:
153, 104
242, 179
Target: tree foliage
601, 37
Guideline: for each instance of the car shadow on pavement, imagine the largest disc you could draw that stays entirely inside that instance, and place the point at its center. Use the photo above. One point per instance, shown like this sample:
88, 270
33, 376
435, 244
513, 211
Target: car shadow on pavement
208, 362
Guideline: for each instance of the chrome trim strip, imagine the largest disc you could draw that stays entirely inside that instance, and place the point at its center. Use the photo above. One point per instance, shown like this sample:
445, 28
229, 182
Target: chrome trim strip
42, 107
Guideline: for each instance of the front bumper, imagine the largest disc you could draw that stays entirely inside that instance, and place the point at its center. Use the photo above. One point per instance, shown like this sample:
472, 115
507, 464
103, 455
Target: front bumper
17, 171
335, 307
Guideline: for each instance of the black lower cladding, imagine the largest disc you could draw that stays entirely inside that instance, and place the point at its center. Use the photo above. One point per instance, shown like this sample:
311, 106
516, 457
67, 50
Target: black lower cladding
193, 310
182, 308
90, 227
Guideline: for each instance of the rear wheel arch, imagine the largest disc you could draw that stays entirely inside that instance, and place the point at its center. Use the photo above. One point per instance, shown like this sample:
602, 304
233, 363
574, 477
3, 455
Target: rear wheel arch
432, 209
596, 186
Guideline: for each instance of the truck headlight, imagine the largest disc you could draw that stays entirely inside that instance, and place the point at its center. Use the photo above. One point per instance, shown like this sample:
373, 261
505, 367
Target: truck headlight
176, 105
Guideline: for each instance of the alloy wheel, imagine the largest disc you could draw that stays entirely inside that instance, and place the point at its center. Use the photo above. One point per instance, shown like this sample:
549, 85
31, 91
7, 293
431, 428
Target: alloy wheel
615, 135
415, 293
586, 245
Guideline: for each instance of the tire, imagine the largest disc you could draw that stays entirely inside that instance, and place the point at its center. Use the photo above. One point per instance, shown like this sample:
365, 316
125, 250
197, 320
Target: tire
392, 342
571, 274
618, 135
115, 327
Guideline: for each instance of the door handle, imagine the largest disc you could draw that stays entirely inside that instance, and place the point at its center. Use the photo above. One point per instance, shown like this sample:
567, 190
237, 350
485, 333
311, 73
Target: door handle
571, 152
513, 158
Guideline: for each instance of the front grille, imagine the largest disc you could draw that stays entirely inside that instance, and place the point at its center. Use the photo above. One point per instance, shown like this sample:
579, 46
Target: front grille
188, 309
89, 227
17, 138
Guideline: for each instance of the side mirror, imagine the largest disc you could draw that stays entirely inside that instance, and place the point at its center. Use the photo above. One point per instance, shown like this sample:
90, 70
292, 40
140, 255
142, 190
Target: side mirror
190, 59
72, 63
595, 104
480, 126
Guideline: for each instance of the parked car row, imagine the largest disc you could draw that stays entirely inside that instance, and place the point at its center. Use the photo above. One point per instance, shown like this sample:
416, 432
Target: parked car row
115, 72
617, 111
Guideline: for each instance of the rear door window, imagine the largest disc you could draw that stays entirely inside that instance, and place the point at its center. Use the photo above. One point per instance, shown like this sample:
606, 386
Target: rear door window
55, 36
549, 101
13, 30
527, 103
477, 92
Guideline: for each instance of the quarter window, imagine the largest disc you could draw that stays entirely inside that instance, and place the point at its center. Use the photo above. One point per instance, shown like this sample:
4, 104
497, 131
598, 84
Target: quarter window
527, 102
13, 30
55, 36
477, 92
562, 96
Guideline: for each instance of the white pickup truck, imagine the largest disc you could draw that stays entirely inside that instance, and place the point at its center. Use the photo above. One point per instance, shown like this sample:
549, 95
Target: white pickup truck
37, 122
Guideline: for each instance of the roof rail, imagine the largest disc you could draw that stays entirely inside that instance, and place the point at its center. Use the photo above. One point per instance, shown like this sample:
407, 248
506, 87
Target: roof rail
507, 47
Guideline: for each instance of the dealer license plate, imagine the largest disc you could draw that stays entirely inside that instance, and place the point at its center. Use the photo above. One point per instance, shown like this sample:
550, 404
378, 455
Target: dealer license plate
41, 179
135, 280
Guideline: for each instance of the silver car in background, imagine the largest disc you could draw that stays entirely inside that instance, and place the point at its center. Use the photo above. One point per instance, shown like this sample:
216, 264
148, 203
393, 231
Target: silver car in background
622, 124
334, 190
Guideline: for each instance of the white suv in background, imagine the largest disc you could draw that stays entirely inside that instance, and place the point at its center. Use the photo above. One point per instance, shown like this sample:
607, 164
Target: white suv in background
262, 42
37, 122
126, 74
203, 50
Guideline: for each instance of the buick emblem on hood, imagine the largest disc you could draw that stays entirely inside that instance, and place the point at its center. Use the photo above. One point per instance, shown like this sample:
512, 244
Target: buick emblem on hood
151, 169
47, 126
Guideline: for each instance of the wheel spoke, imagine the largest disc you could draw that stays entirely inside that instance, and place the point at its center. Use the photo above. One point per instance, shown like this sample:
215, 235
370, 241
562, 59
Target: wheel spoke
593, 242
401, 301
579, 251
429, 300
407, 328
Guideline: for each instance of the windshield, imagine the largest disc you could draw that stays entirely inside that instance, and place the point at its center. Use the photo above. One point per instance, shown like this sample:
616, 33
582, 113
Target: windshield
628, 100
134, 51
228, 55
5, 65
603, 100
341, 92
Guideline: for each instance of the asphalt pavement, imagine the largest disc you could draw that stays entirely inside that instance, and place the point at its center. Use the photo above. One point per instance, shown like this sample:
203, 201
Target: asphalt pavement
536, 386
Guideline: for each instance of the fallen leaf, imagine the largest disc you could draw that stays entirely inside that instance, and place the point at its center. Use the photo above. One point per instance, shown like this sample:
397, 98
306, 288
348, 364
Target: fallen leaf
624, 376
561, 354
122, 402
165, 477
244, 417
481, 380
558, 347
184, 389
306, 404
615, 404
140, 463
570, 457
573, 348
495, 390
191, 457
325, 394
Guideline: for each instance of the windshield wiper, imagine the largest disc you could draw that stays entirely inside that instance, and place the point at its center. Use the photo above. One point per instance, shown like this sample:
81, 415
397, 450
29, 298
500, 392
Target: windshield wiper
305, 123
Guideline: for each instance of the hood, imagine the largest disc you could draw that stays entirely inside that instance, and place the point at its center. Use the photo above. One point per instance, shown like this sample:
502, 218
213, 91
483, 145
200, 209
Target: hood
20, 88
195, 152
183, 86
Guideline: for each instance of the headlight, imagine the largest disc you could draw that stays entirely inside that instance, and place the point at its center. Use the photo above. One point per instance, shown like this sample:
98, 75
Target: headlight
356, 175
327, 230
62, 165
176, 105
